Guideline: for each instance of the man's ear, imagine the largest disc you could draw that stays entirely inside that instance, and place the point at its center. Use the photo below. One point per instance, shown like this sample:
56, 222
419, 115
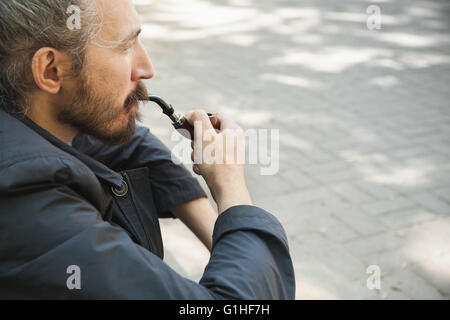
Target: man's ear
48, 66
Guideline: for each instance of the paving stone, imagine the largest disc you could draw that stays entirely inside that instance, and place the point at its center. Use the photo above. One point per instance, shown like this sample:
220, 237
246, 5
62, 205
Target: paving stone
359, 221
338, 176
421, 243
193, 258
268, 186
379, 192
436, 272
351, 193
430, 201
364, 170
386, 206
316, 169
439, 228
332, 228
332, 275
388, 261
375, 243
309, 195
443, 193
298, 180
413, 285
407, 217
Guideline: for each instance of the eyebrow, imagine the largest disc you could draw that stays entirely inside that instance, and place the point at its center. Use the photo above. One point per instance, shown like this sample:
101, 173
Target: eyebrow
131, 36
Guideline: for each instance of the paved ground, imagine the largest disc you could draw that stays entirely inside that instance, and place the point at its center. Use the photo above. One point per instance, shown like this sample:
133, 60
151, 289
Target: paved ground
364, 119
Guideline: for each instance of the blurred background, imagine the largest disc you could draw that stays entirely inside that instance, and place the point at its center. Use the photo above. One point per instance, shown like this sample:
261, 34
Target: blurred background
360, 93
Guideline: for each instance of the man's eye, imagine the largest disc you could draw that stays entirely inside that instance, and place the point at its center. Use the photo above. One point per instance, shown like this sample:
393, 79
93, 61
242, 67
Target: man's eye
128, 46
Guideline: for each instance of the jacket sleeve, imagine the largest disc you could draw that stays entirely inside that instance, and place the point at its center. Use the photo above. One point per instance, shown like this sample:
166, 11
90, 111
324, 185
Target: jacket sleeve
172, 184
50, 228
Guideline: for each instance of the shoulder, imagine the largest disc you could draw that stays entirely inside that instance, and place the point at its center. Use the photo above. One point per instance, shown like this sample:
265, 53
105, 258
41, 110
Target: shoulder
28, 158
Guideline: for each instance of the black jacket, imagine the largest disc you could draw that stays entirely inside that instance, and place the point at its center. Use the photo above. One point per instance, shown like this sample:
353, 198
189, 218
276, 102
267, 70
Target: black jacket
96, 207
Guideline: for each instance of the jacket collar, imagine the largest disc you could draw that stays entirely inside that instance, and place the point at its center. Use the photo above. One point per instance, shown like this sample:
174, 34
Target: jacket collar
100, 170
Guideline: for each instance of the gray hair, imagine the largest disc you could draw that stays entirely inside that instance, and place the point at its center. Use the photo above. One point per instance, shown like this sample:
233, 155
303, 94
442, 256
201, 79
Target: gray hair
28, 25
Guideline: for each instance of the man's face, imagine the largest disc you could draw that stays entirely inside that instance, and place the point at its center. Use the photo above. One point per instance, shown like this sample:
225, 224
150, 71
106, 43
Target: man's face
104, 98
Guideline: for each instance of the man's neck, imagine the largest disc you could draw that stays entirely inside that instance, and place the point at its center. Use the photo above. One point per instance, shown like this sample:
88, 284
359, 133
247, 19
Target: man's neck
44, 116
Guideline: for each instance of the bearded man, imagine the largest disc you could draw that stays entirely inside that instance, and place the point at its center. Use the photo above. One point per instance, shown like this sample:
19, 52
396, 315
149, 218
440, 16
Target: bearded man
82, 186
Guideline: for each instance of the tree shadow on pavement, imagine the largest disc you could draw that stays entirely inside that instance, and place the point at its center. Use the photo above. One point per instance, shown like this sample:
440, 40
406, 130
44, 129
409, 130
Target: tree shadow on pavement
364, 125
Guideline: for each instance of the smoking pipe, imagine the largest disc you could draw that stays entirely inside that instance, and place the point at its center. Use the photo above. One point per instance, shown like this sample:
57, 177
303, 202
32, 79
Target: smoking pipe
179, 122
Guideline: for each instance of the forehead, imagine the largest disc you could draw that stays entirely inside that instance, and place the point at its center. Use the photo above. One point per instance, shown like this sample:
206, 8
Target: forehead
119, 18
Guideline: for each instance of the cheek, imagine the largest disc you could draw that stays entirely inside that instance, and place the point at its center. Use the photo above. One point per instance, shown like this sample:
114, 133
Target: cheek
116, 79
111, 74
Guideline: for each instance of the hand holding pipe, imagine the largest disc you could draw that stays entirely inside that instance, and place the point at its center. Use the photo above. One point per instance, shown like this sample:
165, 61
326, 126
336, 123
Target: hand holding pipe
179, 122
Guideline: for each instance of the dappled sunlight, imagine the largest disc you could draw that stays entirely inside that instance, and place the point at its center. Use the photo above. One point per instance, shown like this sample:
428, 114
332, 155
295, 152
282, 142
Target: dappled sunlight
413, 40
294, 21
386, 63
308, 286
243, 3
385, 81
316, 118
354, 156
427, 246
363, 135
215, 21
207, 31
307, 39
330, 59
194, 252
211, 16
423, 60
361, 114
247, 118
320, 273
422, 12
361, 18
303, 13
295, 142
243, 40
379, 169
300, 82
411, 176
422, 244
254, 118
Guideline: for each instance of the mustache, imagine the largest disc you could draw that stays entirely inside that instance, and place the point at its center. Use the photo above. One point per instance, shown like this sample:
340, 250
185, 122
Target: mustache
139, 94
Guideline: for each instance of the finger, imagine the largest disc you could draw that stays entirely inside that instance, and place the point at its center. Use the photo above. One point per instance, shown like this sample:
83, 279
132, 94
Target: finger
227, 123
199, 115
196, 169
201, 123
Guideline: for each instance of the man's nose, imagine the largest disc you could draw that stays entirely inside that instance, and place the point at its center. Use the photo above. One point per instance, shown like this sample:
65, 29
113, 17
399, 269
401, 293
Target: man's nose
143, 67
